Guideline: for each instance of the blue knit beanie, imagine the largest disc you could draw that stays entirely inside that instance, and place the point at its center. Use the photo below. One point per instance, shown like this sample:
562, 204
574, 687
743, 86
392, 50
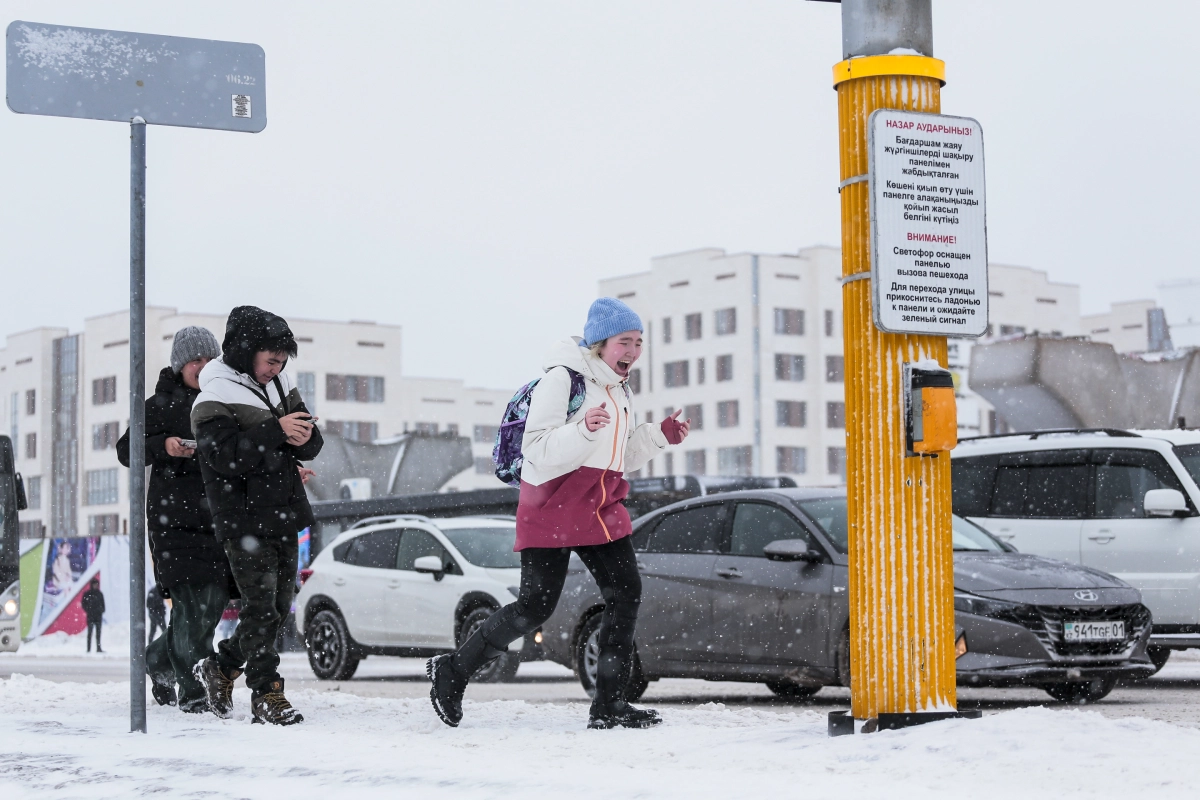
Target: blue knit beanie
607, 317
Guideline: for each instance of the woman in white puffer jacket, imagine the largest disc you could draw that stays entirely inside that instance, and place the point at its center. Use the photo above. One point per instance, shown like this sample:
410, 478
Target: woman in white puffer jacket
572, 488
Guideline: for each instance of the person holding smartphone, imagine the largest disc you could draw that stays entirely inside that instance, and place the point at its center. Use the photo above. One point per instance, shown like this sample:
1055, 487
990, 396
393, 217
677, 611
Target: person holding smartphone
190, 566
252, 431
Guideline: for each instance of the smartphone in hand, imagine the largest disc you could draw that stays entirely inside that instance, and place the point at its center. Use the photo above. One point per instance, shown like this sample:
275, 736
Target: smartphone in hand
188, 443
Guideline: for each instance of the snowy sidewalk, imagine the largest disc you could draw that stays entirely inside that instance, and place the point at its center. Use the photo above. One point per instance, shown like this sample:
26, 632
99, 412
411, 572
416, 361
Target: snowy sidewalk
71, 740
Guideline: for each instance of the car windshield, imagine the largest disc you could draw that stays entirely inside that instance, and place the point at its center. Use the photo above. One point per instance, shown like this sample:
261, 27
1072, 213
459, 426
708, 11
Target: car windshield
486, 547
830, 515
969, 536
1189, 454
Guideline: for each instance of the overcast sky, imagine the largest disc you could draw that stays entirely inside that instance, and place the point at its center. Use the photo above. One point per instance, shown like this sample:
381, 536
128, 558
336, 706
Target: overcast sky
470, 169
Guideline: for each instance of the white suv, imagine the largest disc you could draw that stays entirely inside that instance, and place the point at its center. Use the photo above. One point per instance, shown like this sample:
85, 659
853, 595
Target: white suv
408, 586
1123, 502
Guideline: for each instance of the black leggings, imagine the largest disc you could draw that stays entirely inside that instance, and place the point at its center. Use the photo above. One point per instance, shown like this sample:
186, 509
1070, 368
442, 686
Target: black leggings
543, 572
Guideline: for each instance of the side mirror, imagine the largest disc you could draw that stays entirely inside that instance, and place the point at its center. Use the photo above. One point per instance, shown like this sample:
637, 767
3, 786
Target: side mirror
790, 550
1165, 503
431, 565
22, 502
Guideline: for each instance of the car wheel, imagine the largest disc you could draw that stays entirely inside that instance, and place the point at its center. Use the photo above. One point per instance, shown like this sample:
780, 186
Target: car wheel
1158, 656
792, 691
331, 651
587, 659
1081, 693
842, 659
504, 668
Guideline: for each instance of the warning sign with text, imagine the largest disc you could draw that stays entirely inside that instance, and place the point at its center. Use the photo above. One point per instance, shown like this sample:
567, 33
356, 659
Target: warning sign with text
928, 224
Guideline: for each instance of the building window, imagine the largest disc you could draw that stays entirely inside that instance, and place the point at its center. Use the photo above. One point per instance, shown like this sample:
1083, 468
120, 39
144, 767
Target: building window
105, 435
691, 326
354, 431
666, 330
485, 434
791, 460
30, 401
836, 458
635, 381
1011, 330
829, 322
30, 530
103, 524
726, 319
700, 370
104, 391
354, 388
696, 414
484, 466
101, 487
835, 414
727, 414
426, 428
33, 492
669, 464
31, 445
697, 462
835, 369
306, 384
733, 460
724, 368
675, 373
789, 322
452, 428
791, 414
789, 367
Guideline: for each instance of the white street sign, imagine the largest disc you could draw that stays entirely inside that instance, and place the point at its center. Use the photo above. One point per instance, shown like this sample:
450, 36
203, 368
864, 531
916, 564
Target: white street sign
928, 223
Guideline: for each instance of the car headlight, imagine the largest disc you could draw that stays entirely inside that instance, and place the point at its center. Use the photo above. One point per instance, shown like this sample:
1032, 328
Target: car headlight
987, 607
10, 609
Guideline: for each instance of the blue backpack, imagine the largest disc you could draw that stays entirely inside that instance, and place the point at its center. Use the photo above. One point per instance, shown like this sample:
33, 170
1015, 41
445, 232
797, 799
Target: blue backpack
506, 455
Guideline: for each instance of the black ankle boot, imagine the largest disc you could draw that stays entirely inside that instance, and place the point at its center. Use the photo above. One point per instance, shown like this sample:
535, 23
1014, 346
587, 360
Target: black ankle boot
621, 715
447, 691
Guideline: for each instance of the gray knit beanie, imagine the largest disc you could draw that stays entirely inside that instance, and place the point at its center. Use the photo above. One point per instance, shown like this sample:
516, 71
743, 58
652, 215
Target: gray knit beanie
191, 343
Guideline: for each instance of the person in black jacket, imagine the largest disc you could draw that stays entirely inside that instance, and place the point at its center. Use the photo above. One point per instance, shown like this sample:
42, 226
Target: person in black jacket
253, 430
190, 565
92, 602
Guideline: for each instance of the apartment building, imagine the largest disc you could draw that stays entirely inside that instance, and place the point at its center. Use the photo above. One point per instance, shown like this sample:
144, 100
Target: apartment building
750, 347
65, 399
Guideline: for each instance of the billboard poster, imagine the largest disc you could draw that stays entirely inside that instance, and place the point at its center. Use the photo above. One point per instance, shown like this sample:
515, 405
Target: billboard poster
68, 563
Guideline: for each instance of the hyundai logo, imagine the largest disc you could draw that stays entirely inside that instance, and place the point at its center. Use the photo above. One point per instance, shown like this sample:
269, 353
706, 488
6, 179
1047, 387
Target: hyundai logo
1087, 595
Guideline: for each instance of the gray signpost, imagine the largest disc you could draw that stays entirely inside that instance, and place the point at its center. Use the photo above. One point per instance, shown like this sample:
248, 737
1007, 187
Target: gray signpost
139, 79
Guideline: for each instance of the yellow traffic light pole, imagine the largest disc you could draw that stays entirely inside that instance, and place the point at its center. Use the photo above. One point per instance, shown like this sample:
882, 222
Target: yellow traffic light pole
901, 556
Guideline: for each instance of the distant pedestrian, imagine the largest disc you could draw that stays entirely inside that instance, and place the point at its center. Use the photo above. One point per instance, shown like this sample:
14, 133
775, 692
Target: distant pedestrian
253, 431
156, 608
190, 566
580, 439
92, 602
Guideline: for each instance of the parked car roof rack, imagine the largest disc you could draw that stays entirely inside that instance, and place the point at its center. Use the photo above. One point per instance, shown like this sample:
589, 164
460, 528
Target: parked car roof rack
1118, 432
362, 523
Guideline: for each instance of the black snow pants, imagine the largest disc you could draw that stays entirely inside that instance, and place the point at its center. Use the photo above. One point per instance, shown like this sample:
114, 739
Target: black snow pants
188, 639
543, 573
94, 624
264, 569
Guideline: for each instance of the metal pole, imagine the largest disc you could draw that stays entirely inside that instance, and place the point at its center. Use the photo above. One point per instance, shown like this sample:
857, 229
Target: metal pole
137, 426
901, 558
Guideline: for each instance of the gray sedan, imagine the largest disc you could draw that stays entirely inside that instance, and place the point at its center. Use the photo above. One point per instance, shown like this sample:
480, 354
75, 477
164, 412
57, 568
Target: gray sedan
752, 586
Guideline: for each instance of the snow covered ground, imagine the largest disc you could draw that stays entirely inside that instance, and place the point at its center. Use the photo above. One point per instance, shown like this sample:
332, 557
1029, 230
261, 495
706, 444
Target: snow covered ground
71, 740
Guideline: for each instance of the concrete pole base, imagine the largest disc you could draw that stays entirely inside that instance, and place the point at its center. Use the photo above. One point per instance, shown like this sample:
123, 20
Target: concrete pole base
842, 724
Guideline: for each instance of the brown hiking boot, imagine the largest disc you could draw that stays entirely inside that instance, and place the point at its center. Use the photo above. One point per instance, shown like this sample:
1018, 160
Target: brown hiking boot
218, 687
271, 706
